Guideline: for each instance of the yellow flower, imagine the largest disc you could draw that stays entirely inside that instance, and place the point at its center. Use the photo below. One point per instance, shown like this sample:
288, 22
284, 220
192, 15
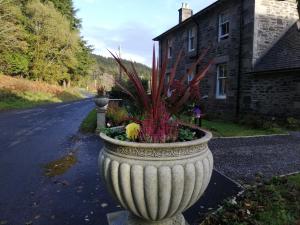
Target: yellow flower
132, 131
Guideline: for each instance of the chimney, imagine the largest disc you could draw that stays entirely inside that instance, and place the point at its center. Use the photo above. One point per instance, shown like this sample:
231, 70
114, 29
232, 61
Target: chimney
184, 12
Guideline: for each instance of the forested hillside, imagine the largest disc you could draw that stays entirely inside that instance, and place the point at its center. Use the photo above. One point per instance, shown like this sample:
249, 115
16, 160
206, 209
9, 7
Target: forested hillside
109, 66
40, 40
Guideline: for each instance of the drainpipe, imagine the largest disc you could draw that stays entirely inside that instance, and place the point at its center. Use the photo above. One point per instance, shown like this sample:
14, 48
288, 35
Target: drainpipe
238, 96
197, 47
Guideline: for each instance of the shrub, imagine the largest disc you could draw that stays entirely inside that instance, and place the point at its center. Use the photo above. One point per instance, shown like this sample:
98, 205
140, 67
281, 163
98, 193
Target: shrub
168, 96
293, 123
115, 114
259, 122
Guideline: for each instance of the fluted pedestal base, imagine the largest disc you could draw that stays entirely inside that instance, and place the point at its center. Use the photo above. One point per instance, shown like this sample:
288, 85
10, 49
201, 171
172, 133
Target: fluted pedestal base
125, 218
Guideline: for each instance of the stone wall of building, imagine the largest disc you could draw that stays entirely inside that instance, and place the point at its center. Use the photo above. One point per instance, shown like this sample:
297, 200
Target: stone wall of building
276, 94
272, 19
269, 94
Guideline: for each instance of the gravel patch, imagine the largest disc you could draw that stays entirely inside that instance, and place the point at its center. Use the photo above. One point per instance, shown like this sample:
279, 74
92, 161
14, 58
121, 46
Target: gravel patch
243, 158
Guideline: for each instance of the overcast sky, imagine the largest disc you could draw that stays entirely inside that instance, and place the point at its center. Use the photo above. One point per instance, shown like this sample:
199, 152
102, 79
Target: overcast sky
129, 23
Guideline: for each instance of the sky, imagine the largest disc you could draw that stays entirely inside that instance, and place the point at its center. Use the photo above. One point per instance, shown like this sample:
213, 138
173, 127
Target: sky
131, 24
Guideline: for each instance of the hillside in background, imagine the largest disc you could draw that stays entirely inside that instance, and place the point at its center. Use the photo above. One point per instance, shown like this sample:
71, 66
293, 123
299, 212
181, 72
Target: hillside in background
106, 70
109, 65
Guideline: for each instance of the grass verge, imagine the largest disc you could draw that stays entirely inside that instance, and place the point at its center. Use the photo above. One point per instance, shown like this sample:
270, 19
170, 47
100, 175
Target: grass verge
230, 129
276, 202
17, 93
89, 124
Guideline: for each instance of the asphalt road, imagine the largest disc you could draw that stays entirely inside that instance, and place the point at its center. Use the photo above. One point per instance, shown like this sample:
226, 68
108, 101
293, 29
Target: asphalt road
30, 138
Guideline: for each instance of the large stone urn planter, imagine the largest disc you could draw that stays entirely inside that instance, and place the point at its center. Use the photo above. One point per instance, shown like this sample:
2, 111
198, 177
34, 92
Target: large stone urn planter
156, 182
101, 101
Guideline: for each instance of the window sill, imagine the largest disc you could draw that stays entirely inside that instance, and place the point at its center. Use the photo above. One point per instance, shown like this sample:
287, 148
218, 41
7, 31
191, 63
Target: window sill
223, 38
221, 97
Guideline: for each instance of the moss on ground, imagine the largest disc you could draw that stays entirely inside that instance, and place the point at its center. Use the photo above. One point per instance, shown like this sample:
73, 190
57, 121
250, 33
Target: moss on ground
60, 166
89, 124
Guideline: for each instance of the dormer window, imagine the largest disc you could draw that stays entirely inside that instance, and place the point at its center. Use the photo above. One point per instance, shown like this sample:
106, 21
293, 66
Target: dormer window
191, 39
170, 49
223, 26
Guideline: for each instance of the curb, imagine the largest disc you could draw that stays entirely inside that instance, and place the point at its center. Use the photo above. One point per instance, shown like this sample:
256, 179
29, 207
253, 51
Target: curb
233, 181
254, 136
289, 174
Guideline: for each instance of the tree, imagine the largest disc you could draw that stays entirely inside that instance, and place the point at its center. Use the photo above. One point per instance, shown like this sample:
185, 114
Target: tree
13, 39
54, 44
65, 7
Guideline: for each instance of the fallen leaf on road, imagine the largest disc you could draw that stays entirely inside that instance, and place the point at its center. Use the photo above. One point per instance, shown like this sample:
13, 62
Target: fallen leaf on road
37, 217
103, 205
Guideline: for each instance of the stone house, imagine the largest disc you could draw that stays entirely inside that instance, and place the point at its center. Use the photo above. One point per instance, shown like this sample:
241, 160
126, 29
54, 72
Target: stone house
256, 49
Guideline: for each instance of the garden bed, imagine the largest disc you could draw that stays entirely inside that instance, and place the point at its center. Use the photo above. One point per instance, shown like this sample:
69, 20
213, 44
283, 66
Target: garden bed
218, 128
276, 202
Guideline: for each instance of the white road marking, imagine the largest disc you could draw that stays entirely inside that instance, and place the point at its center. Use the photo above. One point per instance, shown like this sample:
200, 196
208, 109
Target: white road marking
62, 106
30, 111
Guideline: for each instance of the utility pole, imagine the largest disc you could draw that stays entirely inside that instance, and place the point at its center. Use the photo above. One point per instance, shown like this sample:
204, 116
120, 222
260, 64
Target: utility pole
120, 69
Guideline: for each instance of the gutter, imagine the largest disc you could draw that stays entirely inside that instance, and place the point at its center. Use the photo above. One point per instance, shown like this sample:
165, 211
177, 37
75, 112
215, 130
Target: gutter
274, 71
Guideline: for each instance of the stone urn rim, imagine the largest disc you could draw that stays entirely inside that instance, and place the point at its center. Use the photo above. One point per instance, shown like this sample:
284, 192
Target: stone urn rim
202, 140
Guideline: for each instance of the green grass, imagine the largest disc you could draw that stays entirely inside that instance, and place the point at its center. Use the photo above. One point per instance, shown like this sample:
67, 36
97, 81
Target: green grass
274, 203
230, 129
27, 99
89, 124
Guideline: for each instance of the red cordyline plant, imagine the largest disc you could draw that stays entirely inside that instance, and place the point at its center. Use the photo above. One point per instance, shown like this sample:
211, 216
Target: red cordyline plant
166, 99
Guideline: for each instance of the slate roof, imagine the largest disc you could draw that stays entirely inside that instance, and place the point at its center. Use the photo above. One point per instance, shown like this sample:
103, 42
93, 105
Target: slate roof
284, 55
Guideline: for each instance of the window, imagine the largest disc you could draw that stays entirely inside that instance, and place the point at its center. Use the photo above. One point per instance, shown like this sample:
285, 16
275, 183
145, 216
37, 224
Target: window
191, 77
223, 27
170, 49
222, 73
191, 40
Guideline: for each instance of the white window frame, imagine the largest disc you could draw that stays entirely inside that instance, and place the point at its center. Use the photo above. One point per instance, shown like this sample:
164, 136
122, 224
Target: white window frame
191, 39
223, 20
221, 69
170, 49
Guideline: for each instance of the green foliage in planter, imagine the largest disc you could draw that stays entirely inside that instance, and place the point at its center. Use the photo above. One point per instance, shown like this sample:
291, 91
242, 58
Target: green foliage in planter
186, 134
